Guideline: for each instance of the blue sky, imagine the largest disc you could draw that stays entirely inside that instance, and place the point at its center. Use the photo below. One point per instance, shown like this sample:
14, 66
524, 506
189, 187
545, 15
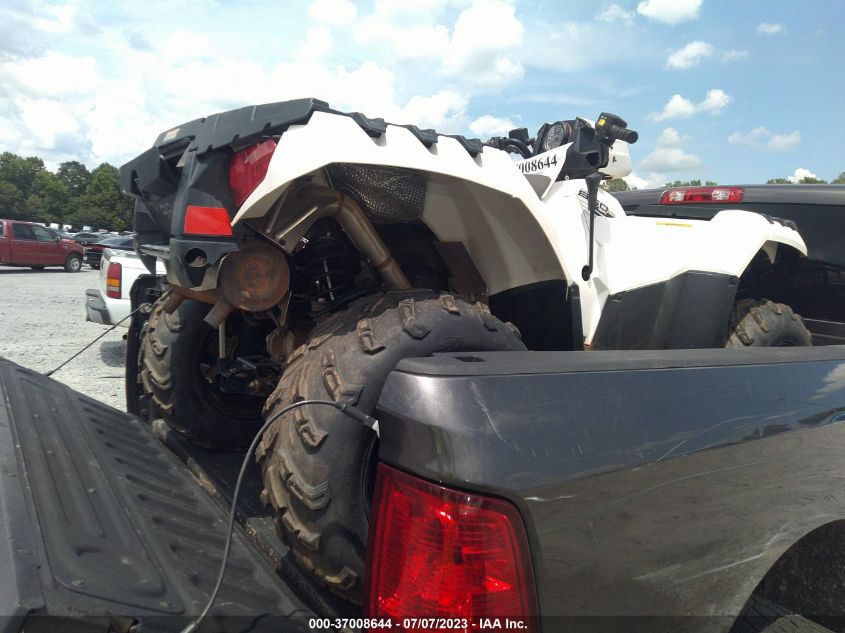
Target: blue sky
736, 92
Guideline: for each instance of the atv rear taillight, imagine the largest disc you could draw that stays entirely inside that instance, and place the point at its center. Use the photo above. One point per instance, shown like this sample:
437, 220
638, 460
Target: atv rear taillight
703, 195
113, 276
207, 221
248, 168
437, 552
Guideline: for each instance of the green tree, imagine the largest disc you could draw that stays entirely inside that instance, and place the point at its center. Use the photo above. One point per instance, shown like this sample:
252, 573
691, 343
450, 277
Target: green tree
75, 176
12, 203
102, 204
48, 198
20, 171
806, 180
839, 180
691, 183
615, 184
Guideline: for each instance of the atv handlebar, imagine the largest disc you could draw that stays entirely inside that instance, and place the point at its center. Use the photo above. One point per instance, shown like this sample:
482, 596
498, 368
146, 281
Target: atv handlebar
610, 128
622, 134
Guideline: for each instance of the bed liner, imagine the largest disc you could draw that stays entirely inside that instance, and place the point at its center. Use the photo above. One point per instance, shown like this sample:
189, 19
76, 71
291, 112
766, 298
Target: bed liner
105, 528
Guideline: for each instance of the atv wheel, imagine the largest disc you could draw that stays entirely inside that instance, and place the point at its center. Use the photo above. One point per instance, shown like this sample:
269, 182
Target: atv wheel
73, 264
173, 350
766, 324
318, 465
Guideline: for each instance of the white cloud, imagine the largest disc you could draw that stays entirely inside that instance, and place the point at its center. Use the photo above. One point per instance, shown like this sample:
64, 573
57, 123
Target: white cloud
761, 137
186, 45
690, 55
669, 11
482, 48
420, 41
443, 111
799, 174
333, 12
768, 28
488, 125
734, 55
635, 182
681, 107
715, 101
783, 142
615, 13
47, 120
670, 159
52, 74
58, 19
668, 155
677, 106
754, 137
318, 42
669, 137
483, 36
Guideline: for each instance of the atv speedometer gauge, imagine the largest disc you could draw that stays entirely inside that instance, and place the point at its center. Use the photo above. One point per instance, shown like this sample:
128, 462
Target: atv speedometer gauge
555, 135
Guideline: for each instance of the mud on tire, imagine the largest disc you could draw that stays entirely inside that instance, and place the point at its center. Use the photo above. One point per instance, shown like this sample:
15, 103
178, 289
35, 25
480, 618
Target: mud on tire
317, 464
172, 348
764, 323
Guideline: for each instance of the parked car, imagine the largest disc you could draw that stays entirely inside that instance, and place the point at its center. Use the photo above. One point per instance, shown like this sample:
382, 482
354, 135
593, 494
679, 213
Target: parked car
94, 252
88, 237
109, 303
815, 285
32, 245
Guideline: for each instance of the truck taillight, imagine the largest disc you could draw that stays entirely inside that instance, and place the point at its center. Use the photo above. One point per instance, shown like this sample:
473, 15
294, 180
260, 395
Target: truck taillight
437, 552
113, 276
702, 195
248, 168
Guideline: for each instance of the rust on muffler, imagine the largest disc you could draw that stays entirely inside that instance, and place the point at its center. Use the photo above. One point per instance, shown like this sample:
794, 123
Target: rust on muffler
254, 278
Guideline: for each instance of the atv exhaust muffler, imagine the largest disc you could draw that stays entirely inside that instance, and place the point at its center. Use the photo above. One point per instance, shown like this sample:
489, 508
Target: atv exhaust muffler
254, 278
257, 276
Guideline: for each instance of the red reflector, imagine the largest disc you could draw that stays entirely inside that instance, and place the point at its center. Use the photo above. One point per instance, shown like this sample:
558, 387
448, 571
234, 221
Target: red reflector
437, 552
207, 221
248, 168
702, 195
113, 277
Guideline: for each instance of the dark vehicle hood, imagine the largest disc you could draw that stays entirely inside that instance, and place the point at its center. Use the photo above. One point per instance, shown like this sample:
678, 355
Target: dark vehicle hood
651, 483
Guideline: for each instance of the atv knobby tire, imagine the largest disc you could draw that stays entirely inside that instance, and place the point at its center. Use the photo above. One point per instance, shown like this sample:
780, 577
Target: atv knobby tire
317, 463
172, 349
766, 324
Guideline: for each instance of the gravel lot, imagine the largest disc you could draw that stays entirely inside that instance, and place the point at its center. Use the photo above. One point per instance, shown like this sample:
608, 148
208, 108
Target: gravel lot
42, 319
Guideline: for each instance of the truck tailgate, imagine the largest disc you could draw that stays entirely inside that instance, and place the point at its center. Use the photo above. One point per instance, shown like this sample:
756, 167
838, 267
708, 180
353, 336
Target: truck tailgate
652, 484
100, 523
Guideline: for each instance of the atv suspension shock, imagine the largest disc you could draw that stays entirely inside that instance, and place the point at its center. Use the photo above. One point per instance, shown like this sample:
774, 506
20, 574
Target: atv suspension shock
329, 266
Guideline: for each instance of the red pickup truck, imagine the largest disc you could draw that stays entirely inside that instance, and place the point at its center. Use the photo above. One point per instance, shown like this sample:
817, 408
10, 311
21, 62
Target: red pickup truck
30, 244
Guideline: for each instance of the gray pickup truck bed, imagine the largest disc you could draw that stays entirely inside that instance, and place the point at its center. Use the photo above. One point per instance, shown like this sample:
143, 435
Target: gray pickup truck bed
99, 517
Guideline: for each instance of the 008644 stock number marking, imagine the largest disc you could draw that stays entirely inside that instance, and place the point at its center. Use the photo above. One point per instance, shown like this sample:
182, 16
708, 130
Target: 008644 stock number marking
537, 164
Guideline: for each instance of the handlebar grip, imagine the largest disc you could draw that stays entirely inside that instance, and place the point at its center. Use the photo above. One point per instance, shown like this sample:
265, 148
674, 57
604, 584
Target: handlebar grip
623, 134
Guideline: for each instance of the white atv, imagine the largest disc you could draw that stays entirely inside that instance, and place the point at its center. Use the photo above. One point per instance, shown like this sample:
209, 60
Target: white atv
308, 250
